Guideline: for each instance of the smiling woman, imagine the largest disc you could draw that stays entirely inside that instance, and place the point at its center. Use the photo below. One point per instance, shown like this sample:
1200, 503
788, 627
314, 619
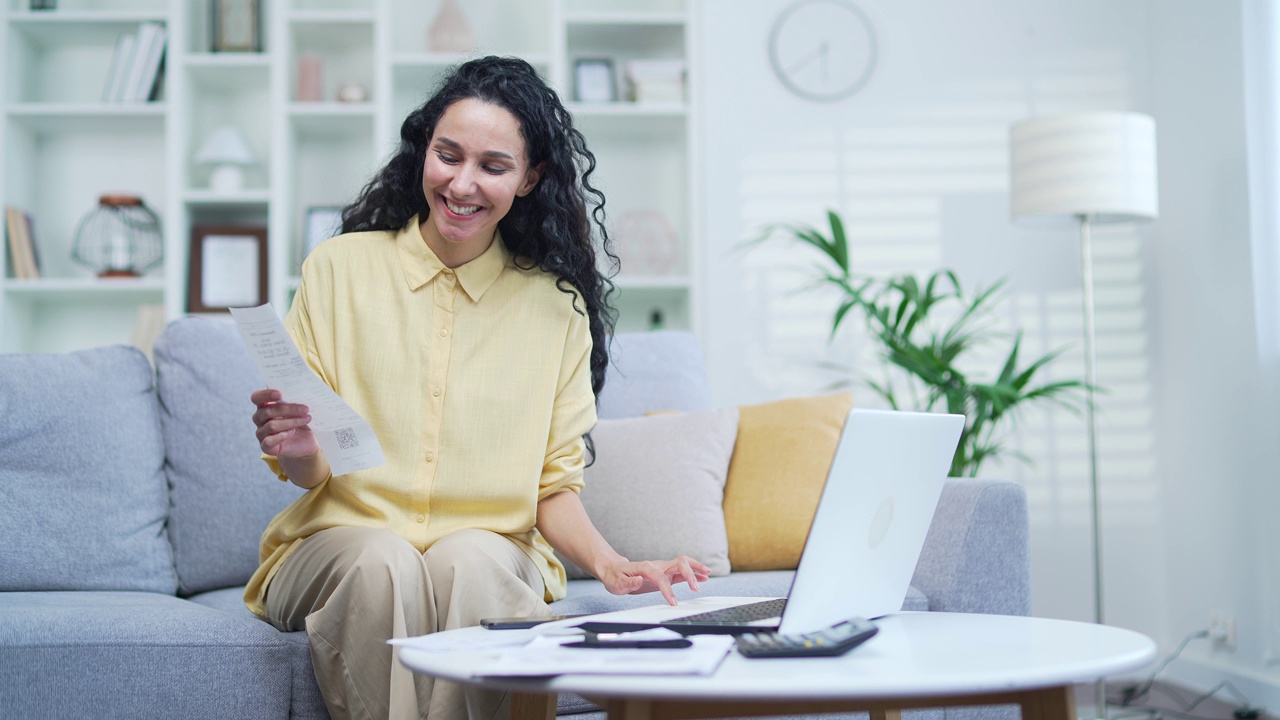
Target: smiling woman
475, 168
472, 247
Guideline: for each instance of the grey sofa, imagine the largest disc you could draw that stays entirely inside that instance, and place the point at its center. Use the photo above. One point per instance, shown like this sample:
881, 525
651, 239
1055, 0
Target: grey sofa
131, 503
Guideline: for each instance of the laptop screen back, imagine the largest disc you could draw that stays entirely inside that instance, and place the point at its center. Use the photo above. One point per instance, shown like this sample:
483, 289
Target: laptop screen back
872, 519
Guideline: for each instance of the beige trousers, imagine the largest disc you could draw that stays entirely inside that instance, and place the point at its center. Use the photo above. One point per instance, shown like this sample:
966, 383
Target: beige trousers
352, 589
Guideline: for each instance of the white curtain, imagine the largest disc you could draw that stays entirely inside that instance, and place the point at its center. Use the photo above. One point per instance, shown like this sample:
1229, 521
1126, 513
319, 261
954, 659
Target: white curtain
1261, 35
1262, 113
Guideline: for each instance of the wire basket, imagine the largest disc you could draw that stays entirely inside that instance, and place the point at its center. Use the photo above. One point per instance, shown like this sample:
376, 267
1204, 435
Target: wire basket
119, 238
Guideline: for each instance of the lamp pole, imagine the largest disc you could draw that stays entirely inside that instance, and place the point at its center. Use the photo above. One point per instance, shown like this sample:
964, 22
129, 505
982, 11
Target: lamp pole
1091, 382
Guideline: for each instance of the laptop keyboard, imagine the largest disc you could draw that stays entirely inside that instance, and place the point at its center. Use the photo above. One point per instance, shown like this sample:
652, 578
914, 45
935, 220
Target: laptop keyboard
739, 613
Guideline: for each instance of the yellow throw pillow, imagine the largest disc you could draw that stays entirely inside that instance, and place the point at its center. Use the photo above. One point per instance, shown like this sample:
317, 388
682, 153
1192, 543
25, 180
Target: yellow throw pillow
779, 466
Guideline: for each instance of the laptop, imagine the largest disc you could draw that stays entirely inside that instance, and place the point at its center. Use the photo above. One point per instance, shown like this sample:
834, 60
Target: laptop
868, 531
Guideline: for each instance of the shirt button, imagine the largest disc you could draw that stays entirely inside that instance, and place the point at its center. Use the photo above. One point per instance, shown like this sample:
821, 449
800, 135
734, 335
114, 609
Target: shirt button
420, 518
435, 392
430, 456
444, 332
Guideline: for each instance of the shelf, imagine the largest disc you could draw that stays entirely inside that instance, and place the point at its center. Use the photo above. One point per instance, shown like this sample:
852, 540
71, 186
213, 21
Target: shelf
625, 18
79, 290
228, 72
630, 121
254, 196
69, 28
227, 60
629, 109
45, 118
431, 61
331, 17
331, 118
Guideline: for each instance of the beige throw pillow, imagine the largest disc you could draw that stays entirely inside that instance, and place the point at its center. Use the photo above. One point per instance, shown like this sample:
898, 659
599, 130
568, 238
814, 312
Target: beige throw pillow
657, 486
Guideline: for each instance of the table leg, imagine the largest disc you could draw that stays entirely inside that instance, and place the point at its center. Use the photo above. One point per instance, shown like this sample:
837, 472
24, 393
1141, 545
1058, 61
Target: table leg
1050, 704
629, 710
532, 706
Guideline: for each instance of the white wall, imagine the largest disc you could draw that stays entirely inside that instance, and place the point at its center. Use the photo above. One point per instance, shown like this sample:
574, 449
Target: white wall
917, 163
1217, 424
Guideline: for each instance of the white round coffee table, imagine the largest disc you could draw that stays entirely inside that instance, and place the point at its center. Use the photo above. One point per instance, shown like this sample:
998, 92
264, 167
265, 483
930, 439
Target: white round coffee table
922, 659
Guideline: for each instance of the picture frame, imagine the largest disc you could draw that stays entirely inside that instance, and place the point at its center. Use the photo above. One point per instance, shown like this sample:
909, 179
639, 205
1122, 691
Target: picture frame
227, 268
594, 80
322, 223
235, 26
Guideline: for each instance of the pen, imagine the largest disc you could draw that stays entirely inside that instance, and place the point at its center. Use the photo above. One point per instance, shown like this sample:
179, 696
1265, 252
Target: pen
631, 644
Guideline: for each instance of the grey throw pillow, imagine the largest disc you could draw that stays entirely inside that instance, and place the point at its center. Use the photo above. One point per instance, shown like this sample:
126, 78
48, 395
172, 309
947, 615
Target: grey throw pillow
223, 494
656, 488
83, 498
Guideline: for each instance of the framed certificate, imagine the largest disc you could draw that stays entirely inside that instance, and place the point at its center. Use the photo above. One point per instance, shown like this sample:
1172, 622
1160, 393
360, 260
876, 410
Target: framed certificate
593, 80
228, 268
235, 26
323, 222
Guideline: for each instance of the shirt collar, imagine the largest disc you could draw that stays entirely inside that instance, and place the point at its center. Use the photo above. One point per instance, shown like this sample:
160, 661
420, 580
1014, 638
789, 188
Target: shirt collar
421, 265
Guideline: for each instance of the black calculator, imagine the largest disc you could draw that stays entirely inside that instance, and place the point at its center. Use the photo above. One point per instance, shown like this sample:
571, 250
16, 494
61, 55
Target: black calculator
835, 640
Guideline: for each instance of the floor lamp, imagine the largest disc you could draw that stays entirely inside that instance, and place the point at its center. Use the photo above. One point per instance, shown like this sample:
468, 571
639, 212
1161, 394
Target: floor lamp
1086, 168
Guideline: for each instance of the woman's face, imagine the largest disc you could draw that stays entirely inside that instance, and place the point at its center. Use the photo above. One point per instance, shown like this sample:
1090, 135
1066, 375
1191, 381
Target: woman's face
475, 167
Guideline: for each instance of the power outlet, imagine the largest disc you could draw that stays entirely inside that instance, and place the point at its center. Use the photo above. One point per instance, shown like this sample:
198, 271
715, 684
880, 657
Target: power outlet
1222, 630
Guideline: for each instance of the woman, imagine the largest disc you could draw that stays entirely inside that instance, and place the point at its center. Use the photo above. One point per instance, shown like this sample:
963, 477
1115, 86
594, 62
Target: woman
463, 315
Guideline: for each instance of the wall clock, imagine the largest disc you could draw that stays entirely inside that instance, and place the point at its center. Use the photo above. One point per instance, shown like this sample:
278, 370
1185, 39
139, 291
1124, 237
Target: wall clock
822, 50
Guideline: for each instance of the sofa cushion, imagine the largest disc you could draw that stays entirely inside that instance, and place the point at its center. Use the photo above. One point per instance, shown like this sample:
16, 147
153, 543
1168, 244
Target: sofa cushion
223, 495
307, 700
779, 467
82, 489
657, 485
132, 654
654, 371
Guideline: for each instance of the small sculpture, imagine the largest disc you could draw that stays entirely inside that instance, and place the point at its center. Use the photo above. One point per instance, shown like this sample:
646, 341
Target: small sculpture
450, 31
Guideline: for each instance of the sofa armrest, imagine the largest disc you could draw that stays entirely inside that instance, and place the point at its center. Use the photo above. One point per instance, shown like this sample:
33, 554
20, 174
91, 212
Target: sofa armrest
976, 557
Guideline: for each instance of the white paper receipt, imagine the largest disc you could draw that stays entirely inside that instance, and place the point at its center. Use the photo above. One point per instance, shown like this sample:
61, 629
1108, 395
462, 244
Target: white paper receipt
347, 440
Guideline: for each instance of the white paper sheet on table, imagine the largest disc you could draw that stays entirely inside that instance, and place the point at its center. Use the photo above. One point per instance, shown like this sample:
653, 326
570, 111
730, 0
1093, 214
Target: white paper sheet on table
537, 652
545, 657
445, 642
348, 441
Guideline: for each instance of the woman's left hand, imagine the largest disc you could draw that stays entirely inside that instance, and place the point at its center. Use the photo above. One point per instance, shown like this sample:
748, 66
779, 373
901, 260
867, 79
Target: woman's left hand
633, 578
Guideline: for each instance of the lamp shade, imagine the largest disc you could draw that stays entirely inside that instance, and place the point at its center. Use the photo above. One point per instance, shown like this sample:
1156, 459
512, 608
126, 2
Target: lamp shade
1099, 164
226, 146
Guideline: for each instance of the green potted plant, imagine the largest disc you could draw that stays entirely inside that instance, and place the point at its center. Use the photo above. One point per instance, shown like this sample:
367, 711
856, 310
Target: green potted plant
925, 331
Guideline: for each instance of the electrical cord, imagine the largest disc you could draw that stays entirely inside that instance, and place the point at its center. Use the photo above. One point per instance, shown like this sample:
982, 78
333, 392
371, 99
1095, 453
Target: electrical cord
1189, 705
1130, 696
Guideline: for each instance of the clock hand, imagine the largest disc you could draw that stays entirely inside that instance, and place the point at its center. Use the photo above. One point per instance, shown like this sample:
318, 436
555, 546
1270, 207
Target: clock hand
819, 53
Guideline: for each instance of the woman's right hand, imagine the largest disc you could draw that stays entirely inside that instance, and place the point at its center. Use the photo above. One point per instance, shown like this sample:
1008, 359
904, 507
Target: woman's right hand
282, 427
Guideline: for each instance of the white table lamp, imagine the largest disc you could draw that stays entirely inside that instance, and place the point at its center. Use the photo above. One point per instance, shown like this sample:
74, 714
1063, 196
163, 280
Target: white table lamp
1085, 168
228, 152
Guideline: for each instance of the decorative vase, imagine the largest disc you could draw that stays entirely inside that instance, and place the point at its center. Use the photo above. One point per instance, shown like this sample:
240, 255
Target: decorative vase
119, 238
310, 77
449, 30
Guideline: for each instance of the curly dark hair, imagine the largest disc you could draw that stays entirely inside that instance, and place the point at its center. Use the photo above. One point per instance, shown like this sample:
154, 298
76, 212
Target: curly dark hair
550, 228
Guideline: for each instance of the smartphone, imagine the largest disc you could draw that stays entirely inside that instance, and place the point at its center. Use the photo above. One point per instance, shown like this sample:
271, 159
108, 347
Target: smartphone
519, 623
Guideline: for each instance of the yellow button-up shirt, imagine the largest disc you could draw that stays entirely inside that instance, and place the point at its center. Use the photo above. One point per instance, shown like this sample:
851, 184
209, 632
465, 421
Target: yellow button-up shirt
477, 381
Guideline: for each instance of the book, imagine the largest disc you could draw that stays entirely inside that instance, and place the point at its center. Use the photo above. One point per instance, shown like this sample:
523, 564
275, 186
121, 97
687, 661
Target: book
20, 251
152, 62
33, 245
141, 73
120, 61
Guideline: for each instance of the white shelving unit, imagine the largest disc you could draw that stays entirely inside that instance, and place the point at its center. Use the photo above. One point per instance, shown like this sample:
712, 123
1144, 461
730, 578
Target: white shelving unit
63, 147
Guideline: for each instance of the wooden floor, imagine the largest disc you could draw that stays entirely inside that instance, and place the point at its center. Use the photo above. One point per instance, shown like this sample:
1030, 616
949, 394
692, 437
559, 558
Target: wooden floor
1165, 701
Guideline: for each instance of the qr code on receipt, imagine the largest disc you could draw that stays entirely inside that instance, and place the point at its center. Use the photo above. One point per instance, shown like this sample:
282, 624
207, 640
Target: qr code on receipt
346, 438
